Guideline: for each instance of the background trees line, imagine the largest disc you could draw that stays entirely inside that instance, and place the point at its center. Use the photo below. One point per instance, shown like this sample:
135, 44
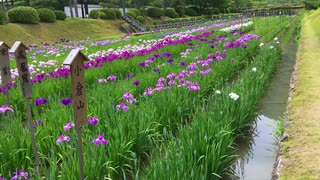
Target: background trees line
201, 7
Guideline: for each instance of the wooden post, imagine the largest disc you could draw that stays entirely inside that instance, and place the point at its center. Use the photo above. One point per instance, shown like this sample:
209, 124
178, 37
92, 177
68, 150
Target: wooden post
5, 68
75, 60
20, 54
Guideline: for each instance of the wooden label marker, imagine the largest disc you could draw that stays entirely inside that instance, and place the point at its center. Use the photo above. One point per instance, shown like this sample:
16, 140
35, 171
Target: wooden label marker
20, 54
76, 62
5, 68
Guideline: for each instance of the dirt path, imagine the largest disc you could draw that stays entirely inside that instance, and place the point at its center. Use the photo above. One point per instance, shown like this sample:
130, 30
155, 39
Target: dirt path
301, 153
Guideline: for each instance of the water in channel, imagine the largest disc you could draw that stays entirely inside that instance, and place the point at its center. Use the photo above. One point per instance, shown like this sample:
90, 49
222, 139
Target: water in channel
257, 151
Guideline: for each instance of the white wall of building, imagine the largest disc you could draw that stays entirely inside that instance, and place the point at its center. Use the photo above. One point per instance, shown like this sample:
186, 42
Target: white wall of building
90, 7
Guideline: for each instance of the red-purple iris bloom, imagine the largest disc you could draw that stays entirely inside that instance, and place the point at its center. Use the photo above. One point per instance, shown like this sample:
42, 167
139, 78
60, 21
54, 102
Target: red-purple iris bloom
93, 120
5, 108
62, 138
19, 174
100, 140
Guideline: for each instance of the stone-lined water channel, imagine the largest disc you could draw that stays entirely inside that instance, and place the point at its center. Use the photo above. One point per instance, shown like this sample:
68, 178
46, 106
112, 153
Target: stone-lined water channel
257, 151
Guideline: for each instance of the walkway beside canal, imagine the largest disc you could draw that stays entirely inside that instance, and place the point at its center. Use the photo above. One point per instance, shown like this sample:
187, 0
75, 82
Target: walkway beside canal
301, 153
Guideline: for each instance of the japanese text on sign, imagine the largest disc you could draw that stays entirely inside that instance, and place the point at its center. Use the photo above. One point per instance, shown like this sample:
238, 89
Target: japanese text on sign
22, 64
75, 59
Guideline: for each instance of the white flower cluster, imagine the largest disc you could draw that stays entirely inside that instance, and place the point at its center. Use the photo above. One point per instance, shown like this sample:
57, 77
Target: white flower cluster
234, 96
237, 26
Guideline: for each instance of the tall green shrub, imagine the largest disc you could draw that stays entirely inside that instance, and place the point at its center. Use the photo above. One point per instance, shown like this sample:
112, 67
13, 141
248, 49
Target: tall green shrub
140, 19
23, 14
102, 15
131, 14
46, 15
60, 15
94, 14
135, 11
118, 13
170, 12
110, 14
3, 17
154, 12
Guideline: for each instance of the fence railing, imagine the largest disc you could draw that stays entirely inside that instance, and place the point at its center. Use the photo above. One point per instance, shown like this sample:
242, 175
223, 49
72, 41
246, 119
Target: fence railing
188, 23
143, 28
135, 23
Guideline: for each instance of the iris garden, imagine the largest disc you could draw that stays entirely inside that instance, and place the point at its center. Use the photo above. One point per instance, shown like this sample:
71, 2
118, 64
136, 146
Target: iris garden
166, 105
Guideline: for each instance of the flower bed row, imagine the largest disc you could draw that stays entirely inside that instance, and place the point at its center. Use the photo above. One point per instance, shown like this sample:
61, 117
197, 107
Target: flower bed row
204, 150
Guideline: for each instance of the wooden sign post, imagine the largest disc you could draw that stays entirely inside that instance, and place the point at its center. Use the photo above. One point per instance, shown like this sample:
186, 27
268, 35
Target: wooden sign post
5, 68
20, 54
75, 60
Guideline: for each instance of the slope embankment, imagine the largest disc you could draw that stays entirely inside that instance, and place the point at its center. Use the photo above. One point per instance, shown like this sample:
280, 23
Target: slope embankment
301, 151
71, 28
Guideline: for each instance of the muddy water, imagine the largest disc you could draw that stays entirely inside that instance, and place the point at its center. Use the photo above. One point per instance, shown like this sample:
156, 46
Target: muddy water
257, 151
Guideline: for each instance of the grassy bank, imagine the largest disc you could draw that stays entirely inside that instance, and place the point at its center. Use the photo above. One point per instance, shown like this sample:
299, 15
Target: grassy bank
71, 28
301, 151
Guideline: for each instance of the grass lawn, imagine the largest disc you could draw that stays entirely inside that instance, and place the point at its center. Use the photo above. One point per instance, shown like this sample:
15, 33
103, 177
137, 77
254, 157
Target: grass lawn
301, 151
71, 28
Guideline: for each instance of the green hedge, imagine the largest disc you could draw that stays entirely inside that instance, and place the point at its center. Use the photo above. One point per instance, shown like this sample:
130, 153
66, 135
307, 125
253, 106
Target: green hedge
94, 14
170, 12
140, 19
135, 11
118, 13
46, 15
3, 17
131, 14
110, 13
60, 15
23, 14
102, 15
154, 12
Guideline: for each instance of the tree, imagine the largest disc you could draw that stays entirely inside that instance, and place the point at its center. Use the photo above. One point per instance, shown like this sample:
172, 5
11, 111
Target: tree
240, 5
43, 3
179, 7
70, 6
110, 4
139, 3
22, 2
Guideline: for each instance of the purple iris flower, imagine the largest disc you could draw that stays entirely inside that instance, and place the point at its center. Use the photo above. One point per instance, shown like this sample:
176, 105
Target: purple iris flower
66, 101
112, 77
100, 140
182, 63
136, 83
167, 54
93, 120
142, 64
122, 106
157, 70
170, 61
5, 108
62, 138
129, 76
68, 126
40, 101
36, 124
19, 174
